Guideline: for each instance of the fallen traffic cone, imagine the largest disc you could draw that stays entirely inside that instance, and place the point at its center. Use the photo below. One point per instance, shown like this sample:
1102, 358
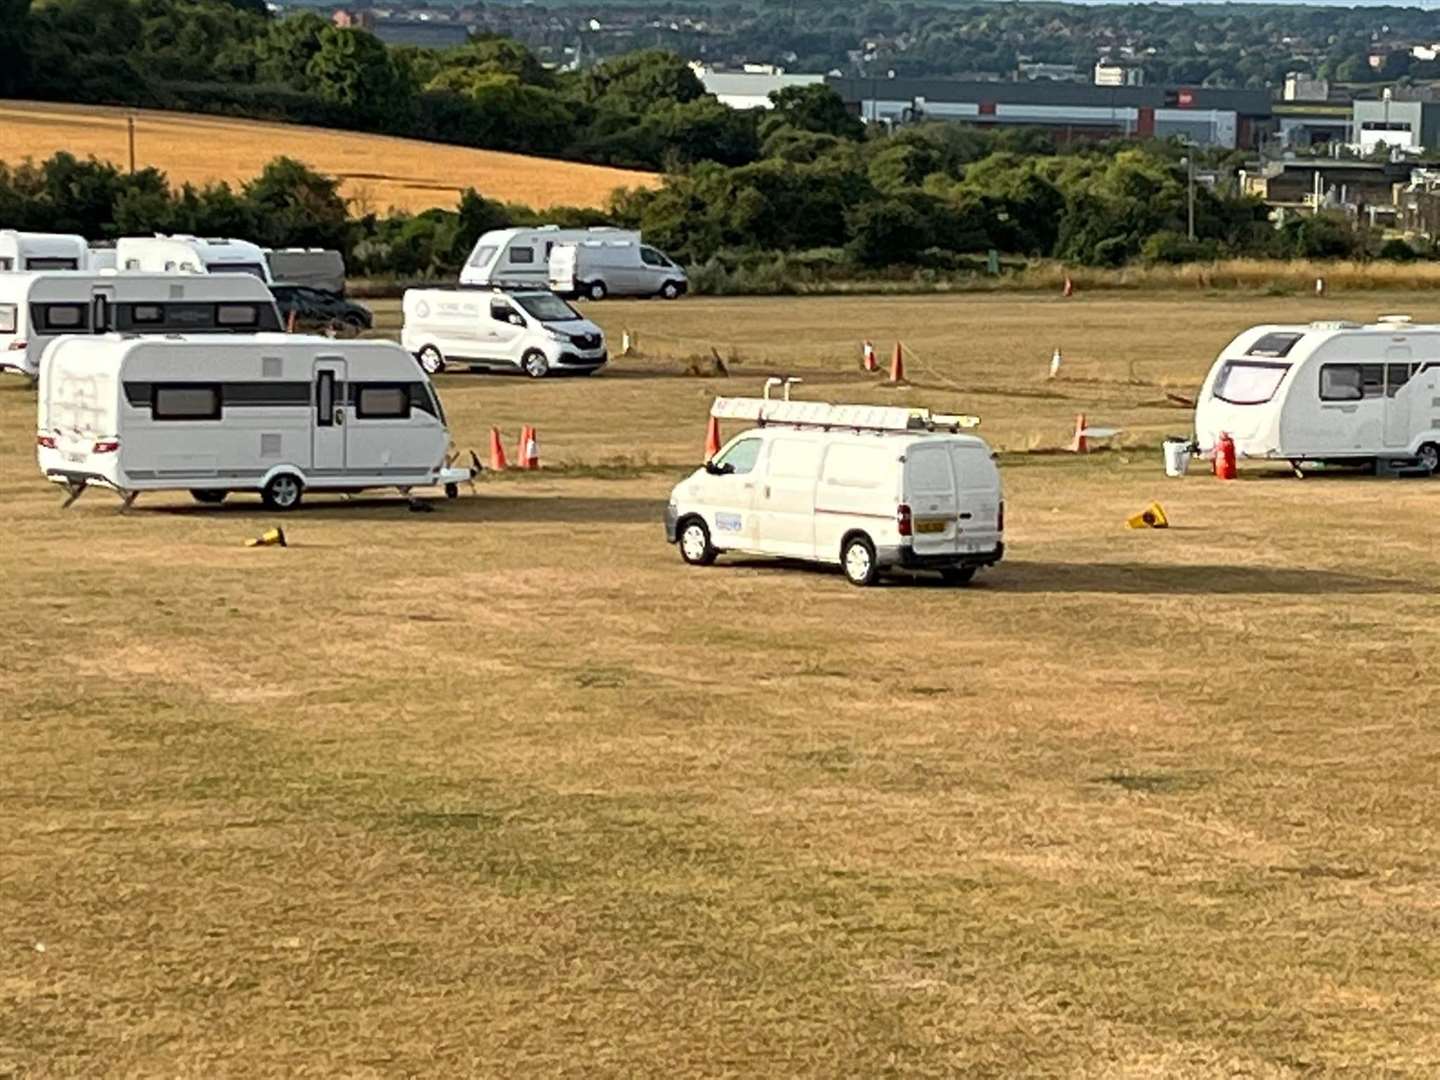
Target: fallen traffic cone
269, 538
1069, 289
1079, 445
497, 451
529, 449
897, 364
1152, 517
1055, 360
867, 356
712, 438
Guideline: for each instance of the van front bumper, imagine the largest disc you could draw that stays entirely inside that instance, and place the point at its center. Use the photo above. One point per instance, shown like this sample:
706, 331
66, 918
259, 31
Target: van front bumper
576, 361
907, 558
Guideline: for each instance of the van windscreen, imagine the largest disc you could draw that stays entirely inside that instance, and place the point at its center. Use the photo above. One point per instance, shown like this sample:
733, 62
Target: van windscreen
548, 308
1249, 382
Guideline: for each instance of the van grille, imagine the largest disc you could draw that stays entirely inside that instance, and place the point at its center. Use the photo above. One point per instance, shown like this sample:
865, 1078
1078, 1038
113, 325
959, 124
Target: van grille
586, 341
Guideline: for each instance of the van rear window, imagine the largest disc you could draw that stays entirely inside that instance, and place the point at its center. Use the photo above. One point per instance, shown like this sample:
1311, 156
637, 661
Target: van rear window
8, 315
1273, 345
1249, 382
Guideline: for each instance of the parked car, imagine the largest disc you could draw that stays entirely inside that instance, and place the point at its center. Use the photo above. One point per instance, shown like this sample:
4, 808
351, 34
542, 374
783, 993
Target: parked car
870, 488
315, 308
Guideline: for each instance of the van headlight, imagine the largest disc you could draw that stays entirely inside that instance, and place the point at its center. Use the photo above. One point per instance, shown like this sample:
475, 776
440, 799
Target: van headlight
556, 336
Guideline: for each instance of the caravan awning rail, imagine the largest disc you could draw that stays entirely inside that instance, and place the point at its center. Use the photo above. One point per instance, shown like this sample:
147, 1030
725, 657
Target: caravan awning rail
825, 416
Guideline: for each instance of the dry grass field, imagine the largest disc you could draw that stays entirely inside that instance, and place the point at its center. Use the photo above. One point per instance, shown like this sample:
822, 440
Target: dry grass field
508, 790
377, 172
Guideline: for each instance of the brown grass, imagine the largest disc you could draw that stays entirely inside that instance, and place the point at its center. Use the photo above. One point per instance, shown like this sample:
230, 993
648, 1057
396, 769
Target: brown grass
377, 172
507, 790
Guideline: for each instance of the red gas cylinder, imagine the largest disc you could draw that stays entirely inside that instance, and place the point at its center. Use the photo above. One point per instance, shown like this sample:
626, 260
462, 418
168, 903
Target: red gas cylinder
1225, 457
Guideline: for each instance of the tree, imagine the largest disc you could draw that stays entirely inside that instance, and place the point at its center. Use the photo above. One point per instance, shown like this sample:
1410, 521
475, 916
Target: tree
885, 233
638, 80
14, 45
497, 55
284, 53
298, 207
352, 69
504, 113
815, 108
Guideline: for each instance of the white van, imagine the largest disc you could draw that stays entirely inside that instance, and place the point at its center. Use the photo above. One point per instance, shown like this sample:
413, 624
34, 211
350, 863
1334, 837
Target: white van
534, 331
183, 254
601, 268
870, 488
21, 251
1327, 391
510, 257
36, 308
277, 414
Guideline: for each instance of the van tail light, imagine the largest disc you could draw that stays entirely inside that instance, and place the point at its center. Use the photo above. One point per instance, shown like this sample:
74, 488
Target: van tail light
106, 446
19, 346
1000, 518
47, 441
902, 519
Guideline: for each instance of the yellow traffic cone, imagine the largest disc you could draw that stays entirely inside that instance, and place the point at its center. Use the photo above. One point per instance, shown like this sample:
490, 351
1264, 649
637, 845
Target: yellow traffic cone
269, 538
1152, 517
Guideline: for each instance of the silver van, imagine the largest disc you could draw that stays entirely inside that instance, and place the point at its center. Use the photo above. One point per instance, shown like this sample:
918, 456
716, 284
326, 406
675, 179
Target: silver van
599, 268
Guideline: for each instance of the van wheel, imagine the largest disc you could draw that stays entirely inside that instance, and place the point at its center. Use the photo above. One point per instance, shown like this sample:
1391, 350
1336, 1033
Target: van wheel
957, 575
596, 290
536, 364
695, 546
858, 559
1429, 458
431, 362
208, 496
670, 290
283, 492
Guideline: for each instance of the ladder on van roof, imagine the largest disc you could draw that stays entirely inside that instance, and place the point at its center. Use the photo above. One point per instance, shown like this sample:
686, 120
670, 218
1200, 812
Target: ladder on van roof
821, 414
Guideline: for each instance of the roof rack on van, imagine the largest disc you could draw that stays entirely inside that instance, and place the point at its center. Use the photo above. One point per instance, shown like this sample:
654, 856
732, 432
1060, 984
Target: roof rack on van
823, 415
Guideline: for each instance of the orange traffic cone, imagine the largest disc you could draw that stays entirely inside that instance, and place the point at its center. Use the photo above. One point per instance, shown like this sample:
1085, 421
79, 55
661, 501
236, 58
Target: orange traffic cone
1080, 445
529, 448
867, 356
897, 364
290, 322
712, 438
497, 451
1069, 289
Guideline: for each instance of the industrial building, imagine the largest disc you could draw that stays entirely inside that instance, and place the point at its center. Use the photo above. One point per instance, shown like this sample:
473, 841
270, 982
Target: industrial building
1070, 111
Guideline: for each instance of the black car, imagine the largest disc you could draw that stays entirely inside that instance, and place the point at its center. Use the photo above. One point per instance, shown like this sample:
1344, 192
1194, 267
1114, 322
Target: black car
315, 308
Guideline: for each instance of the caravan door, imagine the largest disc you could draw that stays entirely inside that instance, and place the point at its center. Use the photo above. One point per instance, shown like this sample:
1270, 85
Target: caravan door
327, 453
102, 309
1397, 403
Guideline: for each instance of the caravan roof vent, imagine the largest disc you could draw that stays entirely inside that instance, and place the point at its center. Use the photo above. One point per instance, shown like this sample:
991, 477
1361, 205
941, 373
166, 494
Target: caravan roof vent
1393, 319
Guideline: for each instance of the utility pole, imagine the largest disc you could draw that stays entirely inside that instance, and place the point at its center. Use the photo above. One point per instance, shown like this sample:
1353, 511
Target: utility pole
130, 124
1190, 193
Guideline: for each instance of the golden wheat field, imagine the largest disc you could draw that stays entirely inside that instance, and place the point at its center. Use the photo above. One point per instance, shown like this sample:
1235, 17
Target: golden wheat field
508, 790
377, 172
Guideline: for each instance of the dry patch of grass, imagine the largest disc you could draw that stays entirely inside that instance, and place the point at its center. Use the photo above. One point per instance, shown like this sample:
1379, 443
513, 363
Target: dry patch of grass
508, 790
377, 172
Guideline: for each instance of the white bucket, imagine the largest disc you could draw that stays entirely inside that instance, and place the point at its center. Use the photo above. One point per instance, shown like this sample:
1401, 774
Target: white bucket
1177, 457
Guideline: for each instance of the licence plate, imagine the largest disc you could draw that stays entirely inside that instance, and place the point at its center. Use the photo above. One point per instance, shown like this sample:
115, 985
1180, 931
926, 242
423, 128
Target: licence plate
74, 457
929, 526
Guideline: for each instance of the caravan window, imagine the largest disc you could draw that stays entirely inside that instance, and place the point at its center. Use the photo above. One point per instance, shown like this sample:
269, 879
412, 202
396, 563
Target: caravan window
1396, 376
482, 255
1351, 382
185, 401
6, 263
8, 313
1276, 345
237, 315
1249, 382
237, 268
147, 315
43, 263
380, 402
522, 255
62, 317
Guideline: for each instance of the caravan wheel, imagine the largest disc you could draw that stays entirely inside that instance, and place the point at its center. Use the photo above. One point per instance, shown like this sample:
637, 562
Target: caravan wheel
1429, 458
283, 492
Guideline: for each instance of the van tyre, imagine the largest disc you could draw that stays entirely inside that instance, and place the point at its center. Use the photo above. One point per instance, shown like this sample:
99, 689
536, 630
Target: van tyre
857, 557
431, 362
957, 575
596, 290
1429, 458
695, 546
283, 492
535, 364
207, 496
670, 290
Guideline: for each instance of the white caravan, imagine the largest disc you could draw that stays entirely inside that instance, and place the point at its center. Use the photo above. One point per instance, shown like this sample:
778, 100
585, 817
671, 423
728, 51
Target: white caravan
101, 258
36, 308
600, 268
20, 251
184, 254
317, 268
277, 414
509, 257
1327, 391
867, 487
533, 331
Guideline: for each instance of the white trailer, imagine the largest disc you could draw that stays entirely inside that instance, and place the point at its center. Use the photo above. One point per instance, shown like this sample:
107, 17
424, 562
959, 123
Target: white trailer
1327, 391
185, 254
21, 251
516, 257
275, 414
37, 308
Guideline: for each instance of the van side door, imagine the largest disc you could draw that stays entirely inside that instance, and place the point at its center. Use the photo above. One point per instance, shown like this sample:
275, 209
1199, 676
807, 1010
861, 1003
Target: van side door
726, 494
785, 497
